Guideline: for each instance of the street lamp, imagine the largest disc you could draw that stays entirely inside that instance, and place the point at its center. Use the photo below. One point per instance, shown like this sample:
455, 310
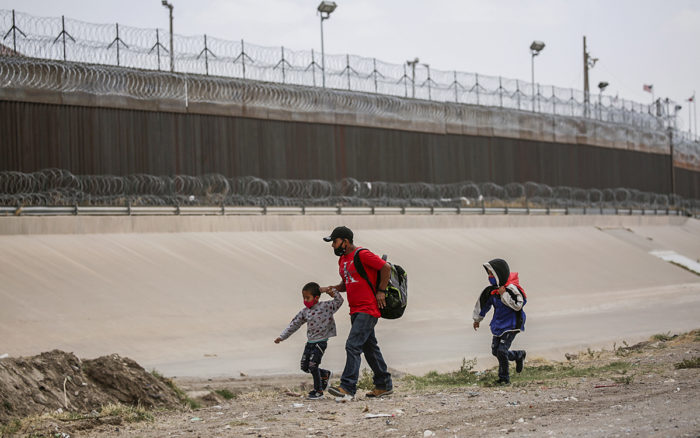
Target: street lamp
172, 54
324, 9
601, 86
535, 49
413, 77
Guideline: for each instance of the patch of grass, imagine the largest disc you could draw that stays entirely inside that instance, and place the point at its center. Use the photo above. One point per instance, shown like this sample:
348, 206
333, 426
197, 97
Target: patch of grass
465, 376
68, 416
365, 381
623, 380
32, 425
10, 428
663, 337
688, 363
192, 404
130, 414
225, 393
561, 370
7, 405
237, 423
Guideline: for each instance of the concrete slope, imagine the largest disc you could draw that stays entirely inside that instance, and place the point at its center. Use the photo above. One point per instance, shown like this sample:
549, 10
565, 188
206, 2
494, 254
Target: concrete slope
210, 303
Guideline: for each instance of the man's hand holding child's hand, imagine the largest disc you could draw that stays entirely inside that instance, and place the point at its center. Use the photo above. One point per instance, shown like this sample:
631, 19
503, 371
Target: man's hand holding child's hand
476, 325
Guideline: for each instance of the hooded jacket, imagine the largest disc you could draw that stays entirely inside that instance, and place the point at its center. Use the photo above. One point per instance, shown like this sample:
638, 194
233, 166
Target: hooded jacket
508, 314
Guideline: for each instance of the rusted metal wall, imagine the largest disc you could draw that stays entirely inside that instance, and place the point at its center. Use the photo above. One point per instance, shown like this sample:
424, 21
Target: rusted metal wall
93, 140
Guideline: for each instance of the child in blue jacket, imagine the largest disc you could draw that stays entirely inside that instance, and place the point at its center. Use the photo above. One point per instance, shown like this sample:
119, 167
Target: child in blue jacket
507, 297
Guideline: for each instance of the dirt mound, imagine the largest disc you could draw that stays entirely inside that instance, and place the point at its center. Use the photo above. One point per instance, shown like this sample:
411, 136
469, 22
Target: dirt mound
59, 380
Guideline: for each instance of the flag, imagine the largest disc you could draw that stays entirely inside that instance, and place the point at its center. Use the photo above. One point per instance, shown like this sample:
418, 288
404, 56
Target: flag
648, 88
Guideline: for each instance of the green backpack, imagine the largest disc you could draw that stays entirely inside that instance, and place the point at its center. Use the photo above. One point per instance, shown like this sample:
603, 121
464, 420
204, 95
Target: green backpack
396, 291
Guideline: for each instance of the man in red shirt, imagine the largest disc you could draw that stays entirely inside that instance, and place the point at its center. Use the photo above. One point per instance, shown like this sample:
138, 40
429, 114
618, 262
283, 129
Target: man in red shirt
364, 304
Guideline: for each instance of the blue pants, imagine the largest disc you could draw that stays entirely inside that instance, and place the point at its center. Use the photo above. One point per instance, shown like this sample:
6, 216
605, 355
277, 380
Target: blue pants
500, 347
362, 340
311, 361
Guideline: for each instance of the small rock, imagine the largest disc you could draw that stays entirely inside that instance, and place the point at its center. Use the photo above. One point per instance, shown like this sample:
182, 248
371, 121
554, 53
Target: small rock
428, 433
195, 419
521, 420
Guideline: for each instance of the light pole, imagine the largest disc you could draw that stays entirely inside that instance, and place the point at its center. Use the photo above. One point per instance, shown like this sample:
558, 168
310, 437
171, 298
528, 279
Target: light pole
172, 54
535, 49
413, 75
324, 9
588, 63
601, 86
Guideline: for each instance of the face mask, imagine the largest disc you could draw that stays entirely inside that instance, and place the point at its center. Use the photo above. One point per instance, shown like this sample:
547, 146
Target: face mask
492, 280
339, 251
310, 304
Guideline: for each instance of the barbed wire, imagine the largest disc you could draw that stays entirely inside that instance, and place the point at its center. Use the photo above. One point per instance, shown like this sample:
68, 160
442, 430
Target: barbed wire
65, 39
57, 187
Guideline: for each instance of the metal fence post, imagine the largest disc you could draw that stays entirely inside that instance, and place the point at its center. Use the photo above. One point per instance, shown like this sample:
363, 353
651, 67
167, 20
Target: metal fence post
63, 35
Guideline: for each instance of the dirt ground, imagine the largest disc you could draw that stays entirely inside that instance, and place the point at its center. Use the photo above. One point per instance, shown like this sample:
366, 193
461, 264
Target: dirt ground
628, 391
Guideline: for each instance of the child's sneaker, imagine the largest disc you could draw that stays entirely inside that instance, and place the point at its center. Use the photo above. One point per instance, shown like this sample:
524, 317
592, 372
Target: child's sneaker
341, 395
376, 392
519, 362
314, 395
325, 380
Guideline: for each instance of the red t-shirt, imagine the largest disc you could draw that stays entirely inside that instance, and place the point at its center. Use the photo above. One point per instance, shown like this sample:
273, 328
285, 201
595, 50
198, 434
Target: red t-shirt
361, 298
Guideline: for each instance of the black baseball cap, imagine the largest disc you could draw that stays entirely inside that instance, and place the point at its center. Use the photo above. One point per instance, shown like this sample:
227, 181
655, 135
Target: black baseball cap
340, 232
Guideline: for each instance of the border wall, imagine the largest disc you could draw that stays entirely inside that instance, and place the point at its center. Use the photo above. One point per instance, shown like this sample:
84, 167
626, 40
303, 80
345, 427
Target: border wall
110, 120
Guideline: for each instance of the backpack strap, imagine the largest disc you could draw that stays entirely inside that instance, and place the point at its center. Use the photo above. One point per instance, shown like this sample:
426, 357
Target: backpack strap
359, 267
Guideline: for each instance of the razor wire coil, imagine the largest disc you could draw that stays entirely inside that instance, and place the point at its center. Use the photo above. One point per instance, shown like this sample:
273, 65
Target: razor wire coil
57, 187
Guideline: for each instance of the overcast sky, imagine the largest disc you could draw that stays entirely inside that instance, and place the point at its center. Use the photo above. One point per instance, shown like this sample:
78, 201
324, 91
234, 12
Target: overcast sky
637, 41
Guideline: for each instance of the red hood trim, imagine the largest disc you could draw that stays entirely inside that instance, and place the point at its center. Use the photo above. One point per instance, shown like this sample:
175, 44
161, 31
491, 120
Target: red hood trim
512, 279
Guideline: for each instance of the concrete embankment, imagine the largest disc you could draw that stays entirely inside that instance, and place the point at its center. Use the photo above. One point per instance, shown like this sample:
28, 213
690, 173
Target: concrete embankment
205, 296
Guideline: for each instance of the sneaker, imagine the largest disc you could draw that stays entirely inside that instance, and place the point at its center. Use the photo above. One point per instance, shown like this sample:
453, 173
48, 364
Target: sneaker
519, 362
314, 395
501, 382
340, 394
376, 392
325, 380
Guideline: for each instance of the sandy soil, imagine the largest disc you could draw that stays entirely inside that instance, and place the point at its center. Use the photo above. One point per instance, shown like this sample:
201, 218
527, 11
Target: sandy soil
652, 399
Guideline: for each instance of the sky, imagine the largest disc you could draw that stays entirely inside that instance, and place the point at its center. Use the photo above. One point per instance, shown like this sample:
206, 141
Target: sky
636, 41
